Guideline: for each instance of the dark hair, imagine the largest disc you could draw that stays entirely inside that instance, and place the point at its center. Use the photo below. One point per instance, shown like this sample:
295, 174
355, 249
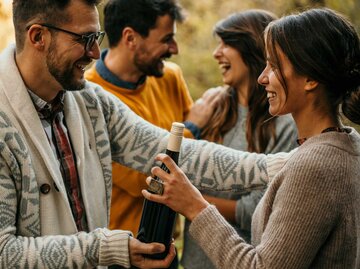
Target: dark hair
321, 44
141, 15
46, 11
244, 32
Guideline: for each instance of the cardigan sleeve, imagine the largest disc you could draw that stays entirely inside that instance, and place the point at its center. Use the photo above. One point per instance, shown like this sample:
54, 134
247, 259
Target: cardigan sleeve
135, 143
21, 245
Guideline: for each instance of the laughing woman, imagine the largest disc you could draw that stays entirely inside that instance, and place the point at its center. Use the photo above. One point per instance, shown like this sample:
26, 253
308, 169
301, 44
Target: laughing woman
241, 119
309, 216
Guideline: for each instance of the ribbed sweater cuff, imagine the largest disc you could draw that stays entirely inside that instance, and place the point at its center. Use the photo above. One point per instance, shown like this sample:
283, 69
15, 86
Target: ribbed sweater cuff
198, 227
114, 248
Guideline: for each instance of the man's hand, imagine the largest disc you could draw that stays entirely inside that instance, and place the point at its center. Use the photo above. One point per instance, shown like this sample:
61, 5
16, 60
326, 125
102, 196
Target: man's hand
137, 250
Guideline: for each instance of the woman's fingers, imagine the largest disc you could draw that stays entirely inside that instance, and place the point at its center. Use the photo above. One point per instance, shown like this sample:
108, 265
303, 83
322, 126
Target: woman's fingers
170, 164
153, 197
179, 194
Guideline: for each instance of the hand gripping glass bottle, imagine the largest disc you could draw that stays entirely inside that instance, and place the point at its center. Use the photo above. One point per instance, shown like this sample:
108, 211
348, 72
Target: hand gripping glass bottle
157, 220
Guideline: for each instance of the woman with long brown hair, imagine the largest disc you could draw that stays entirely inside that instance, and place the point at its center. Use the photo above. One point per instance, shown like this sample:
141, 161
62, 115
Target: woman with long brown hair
241, 119
309, 216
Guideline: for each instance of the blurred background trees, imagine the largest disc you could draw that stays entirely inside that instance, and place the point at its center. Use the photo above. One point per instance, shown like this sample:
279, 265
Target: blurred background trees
6, 27
196, 41
195, 37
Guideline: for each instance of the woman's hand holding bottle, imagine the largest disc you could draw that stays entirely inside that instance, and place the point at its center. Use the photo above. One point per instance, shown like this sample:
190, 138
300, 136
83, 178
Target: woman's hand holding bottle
179, 194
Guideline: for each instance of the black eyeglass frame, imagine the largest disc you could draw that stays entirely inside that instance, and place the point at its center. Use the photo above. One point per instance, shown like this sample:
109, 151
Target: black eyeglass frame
89, 39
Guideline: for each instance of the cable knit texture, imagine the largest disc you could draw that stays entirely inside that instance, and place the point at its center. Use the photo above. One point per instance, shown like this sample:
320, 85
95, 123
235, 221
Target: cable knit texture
308, 218
37, 229
160, 101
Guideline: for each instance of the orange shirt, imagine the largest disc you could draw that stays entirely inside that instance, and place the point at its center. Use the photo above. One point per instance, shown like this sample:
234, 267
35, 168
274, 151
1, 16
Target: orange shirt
160, 101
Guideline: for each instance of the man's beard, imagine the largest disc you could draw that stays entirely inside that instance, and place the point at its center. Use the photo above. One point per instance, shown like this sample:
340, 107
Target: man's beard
152, 68
63, 72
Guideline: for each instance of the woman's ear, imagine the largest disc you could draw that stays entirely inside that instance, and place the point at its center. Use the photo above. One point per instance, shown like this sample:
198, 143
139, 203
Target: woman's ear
311, 84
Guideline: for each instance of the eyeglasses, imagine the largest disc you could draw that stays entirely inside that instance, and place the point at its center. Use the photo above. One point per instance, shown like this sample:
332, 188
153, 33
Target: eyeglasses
87, 40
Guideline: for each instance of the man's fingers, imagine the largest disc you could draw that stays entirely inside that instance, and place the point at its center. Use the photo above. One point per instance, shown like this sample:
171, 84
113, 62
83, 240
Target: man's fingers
139, 250
165, 263
215, 100
172, 253
144, 248
212, 93
152, 248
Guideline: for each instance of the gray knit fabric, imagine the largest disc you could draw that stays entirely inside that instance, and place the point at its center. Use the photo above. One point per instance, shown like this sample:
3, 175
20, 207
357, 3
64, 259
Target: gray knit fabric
285, 129
308, 218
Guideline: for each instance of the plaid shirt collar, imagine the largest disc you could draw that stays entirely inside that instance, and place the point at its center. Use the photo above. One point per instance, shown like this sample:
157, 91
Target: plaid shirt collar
48, 110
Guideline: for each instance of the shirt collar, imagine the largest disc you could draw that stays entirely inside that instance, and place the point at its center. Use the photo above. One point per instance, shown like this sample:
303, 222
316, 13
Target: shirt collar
47, 110
106, 74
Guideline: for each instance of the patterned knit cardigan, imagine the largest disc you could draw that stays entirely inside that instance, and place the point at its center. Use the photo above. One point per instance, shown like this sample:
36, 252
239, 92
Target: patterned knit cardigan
37, 230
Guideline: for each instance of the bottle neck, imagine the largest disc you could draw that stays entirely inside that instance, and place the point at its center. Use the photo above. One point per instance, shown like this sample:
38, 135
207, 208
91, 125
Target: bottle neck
173, 155
174, 143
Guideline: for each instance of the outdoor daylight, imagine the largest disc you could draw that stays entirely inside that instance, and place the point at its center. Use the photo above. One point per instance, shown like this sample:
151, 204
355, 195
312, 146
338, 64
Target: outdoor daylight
180, 134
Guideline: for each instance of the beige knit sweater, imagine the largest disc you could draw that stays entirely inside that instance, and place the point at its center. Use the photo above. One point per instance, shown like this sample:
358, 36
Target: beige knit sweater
308, 218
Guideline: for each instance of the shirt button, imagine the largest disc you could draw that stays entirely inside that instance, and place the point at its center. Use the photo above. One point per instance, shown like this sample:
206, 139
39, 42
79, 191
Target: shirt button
45, 188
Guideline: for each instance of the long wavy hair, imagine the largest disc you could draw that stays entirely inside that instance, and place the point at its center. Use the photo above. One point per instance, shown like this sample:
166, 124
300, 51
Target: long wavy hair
244, 31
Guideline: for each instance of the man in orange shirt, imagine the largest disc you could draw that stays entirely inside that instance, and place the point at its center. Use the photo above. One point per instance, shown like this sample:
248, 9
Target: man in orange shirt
141, 36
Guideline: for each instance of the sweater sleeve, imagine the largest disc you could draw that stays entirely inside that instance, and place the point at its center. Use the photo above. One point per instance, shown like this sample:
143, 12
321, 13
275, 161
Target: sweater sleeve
286, 134
81, 250
305, 200
135, 143
245, 208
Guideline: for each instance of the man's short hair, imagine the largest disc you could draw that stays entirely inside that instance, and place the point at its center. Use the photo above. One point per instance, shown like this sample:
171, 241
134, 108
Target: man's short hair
45, 11
140, 15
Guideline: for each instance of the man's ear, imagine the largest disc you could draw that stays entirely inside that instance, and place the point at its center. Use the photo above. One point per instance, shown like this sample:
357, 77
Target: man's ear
36, 36
130, 37
311, 84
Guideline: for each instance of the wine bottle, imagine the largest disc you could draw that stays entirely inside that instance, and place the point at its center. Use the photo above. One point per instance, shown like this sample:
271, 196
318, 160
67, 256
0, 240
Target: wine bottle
158, 220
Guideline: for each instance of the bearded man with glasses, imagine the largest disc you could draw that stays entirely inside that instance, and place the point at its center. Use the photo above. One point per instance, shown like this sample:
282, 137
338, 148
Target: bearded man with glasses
87, 39
55, 166
58, 137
